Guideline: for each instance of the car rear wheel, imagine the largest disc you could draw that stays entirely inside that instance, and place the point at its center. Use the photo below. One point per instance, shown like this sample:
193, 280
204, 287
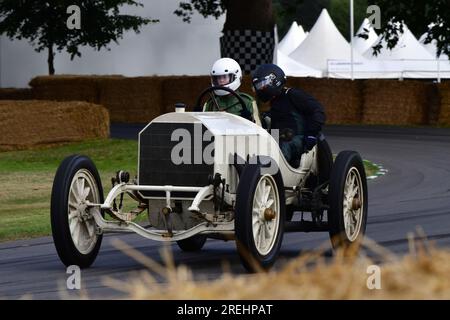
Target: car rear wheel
347, 214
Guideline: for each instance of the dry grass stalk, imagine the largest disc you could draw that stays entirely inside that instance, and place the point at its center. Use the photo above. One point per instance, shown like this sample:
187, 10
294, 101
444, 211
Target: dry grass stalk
422, 274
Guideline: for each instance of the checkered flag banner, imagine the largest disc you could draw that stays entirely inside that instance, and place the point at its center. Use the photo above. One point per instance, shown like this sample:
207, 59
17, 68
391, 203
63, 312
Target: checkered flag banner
248, 47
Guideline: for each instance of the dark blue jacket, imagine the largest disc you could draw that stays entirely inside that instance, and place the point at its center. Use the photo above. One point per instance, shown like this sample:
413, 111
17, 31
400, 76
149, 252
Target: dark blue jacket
297, 110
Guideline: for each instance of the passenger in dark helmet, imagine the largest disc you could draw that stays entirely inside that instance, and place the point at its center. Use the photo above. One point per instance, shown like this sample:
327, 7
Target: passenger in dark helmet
298, 116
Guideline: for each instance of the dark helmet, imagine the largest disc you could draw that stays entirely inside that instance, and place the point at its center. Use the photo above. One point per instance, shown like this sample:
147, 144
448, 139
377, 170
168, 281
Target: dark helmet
268, 81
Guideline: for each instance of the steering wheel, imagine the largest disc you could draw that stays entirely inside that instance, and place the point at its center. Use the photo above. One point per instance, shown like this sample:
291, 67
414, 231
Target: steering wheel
198, 107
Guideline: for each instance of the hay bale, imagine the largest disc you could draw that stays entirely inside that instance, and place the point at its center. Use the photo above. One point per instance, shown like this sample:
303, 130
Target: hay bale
74, 79
187, 89
16, 94
127, 99
26, 124
444, 95
184, 89
433, 104
392, 102
69, 87
342, 99
132, 100
247, 86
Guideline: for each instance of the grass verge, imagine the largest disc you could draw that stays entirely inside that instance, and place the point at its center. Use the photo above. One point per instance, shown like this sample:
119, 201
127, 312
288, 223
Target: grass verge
371, 168
28, 178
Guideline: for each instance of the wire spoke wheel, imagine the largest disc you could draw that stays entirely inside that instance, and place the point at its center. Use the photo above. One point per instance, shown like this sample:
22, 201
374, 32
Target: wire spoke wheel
259, 217
265, 215
75, 234
353, 204
81, 223
347, 213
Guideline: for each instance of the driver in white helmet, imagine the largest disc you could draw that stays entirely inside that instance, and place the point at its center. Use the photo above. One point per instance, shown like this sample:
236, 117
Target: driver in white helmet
226, 72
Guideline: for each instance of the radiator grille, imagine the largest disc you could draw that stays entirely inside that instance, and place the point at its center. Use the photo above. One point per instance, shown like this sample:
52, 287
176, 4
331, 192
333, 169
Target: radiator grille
156, 166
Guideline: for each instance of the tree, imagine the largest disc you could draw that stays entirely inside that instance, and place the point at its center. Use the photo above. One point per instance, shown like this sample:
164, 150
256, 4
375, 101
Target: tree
248, 30
240, 15
309, 11
340, 13
286, 11
420, 16
44, 24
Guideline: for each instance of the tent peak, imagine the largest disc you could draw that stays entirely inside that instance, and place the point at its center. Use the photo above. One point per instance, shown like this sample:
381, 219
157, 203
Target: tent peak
323, 43
408, 47
292, 39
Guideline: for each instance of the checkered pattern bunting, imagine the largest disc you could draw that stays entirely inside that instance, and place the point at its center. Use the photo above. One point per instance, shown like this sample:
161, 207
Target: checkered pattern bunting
248, 47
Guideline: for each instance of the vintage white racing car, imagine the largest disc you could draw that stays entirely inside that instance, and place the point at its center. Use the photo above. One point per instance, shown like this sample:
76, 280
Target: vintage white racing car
211, 175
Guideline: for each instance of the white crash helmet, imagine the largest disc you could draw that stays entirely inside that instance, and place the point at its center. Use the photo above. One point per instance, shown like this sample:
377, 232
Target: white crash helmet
226, 67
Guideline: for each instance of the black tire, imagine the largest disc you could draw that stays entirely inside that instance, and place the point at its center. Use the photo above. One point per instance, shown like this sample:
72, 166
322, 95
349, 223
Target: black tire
325, 160
250, 256
194, 243
65, 247
348, 163
290, 209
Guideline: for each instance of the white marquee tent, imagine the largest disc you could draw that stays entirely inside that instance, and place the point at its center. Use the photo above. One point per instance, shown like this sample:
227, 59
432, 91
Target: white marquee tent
360, 44
407, 48
292, 39
410, 57
323, 43
289, 65
294, 68
326, 50
432, 48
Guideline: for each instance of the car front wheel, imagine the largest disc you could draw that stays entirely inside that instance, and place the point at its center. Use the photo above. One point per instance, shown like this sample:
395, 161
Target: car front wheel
75, 233
260, 216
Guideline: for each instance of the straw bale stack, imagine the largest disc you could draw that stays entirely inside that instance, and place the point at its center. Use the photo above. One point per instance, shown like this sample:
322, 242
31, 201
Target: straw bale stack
16, 94
132, 100
184, 89
341, 99
69, 87
392, 102
444, 94
27, 124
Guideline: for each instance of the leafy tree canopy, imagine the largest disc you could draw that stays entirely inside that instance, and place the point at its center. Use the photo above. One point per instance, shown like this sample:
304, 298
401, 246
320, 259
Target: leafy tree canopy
44, 24
420, 16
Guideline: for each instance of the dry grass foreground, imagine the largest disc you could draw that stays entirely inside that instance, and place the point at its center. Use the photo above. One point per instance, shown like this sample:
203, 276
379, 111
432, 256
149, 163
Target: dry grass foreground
422, 274
33, 123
